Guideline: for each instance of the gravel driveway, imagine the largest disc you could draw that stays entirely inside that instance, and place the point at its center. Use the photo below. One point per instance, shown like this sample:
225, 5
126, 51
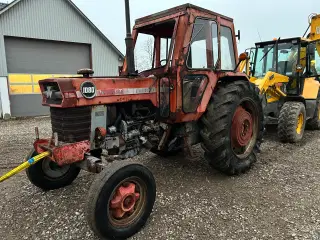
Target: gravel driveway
278, 199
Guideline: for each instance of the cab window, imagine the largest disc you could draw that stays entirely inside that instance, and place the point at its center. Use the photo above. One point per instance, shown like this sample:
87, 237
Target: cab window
147, 55
197, 57
227, 49
200, 54
314, 58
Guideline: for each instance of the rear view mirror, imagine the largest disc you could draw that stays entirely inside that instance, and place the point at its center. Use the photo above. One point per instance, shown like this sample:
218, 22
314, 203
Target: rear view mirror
238, 35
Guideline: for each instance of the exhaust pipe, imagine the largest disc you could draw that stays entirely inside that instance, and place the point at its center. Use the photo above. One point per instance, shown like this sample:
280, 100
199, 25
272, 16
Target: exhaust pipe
129, 43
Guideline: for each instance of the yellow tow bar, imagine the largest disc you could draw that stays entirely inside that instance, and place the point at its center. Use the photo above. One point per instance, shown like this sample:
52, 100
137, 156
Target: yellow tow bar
24, 165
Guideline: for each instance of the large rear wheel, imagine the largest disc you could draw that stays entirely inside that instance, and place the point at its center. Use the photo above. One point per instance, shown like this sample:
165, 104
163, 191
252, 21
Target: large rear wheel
232, 127
120, 200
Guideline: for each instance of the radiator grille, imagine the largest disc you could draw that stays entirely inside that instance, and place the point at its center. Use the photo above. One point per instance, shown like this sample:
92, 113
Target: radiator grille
71, 124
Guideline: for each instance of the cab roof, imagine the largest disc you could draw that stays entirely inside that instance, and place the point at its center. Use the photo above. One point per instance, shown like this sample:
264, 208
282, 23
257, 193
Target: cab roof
284, 40
174, 10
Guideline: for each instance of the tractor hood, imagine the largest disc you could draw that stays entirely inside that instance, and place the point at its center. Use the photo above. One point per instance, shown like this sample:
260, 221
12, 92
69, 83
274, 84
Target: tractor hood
81, 91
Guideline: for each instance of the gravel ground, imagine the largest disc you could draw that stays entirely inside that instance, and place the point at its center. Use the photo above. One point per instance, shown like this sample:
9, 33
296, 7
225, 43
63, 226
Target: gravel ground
278, 199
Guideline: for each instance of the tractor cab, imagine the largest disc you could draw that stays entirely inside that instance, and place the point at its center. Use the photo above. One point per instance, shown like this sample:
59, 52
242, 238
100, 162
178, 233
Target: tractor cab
182, 48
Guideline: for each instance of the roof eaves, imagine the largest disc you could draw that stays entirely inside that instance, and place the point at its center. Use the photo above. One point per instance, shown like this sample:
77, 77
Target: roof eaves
10, 5
3, 5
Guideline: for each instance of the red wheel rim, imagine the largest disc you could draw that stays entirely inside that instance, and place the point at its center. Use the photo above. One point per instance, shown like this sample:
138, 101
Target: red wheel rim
127, 202
242, 127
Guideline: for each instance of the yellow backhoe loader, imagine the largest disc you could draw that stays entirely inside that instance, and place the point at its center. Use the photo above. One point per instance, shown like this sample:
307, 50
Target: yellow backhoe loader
287, 72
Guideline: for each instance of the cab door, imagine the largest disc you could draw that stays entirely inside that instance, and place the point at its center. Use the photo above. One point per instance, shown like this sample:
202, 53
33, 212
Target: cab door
201, 60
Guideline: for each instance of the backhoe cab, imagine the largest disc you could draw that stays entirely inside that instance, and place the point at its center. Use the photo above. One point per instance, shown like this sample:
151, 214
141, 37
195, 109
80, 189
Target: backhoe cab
287, 72
179, 86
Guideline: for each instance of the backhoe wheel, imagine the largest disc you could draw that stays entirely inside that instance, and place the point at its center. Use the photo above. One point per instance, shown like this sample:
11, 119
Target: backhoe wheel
292, 121
314, 123
120, 200
48, 175
232, 127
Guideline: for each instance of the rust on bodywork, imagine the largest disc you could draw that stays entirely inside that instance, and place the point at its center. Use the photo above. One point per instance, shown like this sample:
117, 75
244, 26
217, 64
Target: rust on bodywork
109, 90
63, 154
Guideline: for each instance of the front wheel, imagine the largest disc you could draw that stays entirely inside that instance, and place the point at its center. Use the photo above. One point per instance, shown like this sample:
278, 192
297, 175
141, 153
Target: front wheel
120, 200
292, 121
48, 175
232, 127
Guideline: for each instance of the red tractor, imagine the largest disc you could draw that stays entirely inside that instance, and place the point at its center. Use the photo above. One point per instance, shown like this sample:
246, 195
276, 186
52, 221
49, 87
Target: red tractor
190, 93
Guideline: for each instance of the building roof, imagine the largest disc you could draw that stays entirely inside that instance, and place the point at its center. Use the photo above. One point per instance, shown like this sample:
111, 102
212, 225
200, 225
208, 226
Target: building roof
5, 7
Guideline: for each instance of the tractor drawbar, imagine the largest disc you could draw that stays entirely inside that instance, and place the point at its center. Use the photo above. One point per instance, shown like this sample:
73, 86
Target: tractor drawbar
24, 165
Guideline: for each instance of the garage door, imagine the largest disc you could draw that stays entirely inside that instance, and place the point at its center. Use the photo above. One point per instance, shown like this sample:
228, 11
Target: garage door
30, 60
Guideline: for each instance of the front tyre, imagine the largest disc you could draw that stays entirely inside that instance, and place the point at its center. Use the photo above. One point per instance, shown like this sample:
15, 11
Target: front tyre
48, 175
120, 200
292, 121
232, 127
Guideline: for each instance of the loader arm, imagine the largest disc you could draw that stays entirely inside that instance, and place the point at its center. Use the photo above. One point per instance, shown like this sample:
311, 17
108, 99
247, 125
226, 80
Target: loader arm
314, 25
270, 85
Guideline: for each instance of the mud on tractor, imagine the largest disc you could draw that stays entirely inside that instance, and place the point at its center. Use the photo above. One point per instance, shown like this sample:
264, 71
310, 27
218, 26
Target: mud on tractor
195, 94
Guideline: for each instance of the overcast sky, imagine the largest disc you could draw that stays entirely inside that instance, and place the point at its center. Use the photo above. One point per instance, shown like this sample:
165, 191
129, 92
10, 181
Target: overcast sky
271, 18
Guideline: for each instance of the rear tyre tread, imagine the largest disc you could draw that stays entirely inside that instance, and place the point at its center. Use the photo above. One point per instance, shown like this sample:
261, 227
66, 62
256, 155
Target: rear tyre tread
216, 123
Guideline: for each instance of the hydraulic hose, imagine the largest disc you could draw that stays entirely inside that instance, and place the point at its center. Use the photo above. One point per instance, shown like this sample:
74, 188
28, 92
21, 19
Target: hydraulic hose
24, 165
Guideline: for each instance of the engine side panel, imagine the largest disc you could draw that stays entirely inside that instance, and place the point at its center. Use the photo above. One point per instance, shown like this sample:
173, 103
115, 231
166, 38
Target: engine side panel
67, 92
